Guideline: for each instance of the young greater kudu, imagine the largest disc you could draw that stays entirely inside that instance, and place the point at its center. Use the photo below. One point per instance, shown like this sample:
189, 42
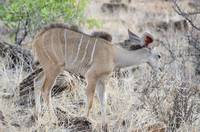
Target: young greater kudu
59, 47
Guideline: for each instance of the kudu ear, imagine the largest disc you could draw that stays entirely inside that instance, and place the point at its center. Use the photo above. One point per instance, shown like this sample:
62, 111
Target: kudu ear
132, 36
147, 39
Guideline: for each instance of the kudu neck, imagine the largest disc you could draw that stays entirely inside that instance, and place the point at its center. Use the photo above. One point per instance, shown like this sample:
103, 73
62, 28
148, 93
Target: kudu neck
125, 58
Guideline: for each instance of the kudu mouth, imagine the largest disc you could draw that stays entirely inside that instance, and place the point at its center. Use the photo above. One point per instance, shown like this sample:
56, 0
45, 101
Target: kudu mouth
155, 68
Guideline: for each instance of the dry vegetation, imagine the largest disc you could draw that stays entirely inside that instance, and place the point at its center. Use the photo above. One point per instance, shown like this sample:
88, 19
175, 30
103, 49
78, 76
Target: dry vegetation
137, 100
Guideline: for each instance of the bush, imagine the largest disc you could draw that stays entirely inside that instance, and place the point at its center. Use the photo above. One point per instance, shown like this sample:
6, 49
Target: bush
26, 16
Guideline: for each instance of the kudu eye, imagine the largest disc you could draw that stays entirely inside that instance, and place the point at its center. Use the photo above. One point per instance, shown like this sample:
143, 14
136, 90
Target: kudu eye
159, 56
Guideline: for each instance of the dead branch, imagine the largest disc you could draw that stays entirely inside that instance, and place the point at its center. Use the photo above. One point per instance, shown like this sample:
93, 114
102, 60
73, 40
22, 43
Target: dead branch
17, 56
186, 15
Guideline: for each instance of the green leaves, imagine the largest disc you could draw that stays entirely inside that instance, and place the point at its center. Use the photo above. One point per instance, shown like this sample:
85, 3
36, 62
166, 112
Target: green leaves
30, 15
43, 11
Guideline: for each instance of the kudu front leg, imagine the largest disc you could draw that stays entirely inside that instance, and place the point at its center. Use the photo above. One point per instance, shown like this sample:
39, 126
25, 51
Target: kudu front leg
90, 90
102, 98
101, 93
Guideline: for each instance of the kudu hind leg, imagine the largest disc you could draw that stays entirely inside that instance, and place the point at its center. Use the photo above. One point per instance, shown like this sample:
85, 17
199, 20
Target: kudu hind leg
47, 86
37, 92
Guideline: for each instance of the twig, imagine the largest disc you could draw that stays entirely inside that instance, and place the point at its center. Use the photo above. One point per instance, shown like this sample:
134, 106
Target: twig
185, 15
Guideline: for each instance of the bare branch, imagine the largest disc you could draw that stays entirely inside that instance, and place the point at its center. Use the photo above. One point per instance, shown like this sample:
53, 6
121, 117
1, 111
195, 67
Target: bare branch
185, 15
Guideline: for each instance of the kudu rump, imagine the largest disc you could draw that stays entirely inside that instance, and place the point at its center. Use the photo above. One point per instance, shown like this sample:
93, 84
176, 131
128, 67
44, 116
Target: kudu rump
60, 47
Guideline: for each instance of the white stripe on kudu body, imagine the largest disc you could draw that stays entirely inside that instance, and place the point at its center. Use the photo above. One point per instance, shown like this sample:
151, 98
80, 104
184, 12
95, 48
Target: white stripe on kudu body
91, 56
79, 46
84, 55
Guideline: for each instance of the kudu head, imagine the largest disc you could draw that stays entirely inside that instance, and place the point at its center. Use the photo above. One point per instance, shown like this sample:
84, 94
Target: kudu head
146, 41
